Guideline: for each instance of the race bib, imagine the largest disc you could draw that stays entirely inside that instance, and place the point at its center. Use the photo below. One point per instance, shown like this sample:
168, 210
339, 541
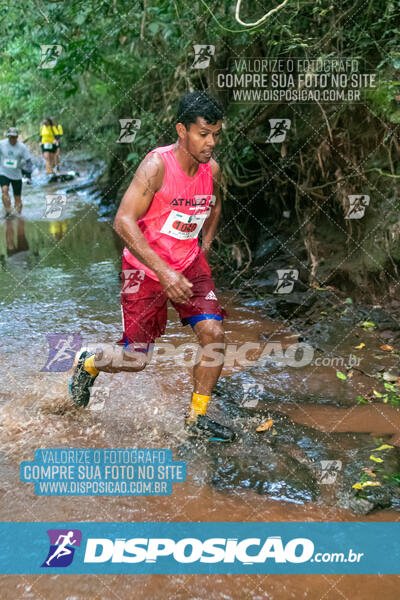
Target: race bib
182, 226
47, 146
10, 162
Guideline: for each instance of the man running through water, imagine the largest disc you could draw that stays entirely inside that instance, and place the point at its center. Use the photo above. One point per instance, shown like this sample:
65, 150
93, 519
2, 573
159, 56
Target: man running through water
173, 195
12, 154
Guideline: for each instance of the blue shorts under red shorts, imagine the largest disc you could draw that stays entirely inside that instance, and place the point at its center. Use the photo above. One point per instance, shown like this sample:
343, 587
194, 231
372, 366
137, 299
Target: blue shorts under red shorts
144, 302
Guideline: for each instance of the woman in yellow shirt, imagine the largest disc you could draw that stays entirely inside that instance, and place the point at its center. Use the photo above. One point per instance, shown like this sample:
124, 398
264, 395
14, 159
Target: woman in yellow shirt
58, 133
48, 144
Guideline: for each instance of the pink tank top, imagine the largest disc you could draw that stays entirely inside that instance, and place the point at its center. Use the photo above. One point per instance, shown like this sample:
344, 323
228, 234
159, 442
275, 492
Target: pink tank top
176, 214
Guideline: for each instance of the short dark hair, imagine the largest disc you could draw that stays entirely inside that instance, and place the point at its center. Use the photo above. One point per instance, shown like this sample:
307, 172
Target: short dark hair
199, 104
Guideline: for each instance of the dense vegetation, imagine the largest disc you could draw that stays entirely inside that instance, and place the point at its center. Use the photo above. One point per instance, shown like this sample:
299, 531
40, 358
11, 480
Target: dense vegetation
124, 58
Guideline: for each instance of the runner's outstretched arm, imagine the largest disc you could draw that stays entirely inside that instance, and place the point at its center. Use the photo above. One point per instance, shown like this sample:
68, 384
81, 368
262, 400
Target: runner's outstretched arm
147, 181
210, 225
28, 165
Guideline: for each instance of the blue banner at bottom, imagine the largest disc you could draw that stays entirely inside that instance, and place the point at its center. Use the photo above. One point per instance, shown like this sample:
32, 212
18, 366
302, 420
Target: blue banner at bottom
213, 548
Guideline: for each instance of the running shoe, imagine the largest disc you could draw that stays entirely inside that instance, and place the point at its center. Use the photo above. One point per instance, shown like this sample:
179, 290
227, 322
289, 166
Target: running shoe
206, 426
81, 381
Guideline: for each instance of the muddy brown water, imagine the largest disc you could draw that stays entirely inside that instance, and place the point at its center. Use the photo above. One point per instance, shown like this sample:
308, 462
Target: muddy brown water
61, 276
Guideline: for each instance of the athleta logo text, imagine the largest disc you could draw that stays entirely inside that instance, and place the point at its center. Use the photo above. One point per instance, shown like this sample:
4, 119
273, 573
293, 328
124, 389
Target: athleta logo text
196, 201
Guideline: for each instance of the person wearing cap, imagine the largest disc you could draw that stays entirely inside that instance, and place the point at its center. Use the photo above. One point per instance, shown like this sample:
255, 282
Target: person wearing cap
12, 154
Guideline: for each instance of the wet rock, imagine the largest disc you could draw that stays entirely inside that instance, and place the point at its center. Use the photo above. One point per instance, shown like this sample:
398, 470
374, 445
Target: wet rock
276, 475
387, 473
294, 304
297, 463
327, 334
266, 249
382, 319
265, 284
57, 177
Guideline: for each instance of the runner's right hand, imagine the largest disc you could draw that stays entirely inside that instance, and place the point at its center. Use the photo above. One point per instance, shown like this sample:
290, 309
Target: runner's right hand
176, 286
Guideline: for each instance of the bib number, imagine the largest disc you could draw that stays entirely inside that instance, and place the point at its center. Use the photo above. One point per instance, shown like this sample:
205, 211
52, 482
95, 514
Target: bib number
47, 146
10, 162
182, 226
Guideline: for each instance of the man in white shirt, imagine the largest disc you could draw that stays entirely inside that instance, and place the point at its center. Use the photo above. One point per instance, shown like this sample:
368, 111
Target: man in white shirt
12, 154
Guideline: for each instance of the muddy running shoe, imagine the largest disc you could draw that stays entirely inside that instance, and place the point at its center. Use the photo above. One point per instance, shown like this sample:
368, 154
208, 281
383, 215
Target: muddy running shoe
81, 381
214, 431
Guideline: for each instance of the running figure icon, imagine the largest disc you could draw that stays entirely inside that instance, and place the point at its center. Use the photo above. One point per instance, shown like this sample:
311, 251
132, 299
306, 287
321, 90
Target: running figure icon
62, 549
63, 544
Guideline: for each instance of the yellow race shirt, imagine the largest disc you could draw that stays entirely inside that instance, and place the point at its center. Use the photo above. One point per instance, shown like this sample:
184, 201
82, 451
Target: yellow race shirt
47, 133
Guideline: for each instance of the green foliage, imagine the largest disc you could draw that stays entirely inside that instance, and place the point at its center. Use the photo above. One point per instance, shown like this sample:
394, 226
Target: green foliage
120, 61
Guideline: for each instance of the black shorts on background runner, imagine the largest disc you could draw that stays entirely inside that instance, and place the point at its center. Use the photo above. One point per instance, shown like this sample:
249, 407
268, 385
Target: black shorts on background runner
53, 149
16, 184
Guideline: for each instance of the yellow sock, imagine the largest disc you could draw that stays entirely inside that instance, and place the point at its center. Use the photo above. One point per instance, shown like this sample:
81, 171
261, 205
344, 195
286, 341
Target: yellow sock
199, 405
88, 365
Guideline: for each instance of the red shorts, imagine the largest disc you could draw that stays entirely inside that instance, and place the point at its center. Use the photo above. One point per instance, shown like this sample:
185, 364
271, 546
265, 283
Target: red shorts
144, 302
